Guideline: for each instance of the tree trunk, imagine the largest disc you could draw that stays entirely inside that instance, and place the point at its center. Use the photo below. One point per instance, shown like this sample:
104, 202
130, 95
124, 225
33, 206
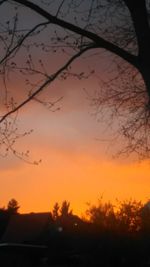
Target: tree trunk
145, 72
139, 17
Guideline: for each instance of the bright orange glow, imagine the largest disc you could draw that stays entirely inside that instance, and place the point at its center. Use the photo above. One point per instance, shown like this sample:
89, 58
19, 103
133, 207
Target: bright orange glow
79, 179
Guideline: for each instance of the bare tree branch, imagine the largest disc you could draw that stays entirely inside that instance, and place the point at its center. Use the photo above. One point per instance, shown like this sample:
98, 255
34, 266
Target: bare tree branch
49, 80
59, 8
120, 27
20, 42
99, 41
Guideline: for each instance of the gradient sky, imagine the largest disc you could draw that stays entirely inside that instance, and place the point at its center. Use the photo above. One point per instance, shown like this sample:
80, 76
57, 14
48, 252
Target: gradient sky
75, 165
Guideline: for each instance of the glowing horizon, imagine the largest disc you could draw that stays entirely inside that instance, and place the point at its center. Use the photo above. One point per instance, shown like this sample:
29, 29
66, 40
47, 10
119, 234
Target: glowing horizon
75, 167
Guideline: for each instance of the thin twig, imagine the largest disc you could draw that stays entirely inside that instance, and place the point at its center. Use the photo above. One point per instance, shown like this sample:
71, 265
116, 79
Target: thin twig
49, 80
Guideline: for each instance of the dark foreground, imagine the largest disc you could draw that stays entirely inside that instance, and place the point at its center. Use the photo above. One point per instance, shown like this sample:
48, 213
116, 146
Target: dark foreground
104, 251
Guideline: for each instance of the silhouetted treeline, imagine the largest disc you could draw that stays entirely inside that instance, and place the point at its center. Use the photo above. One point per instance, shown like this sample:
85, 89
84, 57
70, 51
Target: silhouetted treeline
128, 217
106, 236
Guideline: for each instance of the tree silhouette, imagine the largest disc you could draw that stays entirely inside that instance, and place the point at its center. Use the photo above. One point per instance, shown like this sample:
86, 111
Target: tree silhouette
118, 27
102, 215
13, 206
129, 216
55, 211
65, 209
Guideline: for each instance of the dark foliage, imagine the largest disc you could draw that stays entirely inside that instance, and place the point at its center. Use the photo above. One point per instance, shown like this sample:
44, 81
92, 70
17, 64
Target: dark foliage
107, 237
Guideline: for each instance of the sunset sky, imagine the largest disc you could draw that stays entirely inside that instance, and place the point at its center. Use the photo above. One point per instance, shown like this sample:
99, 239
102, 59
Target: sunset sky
75, 148
75, 166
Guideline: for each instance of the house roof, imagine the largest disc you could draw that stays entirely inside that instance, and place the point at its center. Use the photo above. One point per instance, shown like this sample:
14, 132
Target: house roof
25, 228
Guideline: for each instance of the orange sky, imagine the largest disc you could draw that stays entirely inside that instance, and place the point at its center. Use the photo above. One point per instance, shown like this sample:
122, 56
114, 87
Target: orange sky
74, 165
77, 178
